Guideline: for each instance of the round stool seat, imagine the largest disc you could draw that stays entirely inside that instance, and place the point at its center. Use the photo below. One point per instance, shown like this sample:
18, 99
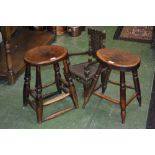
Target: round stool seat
116, 59
44, 55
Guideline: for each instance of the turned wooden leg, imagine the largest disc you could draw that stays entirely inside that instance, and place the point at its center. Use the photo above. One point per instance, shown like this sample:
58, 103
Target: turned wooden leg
70, 82
11, 76
57, 77
137, 85
104, 78
39, 101
26, 88
122, 96
86, 89
93, 85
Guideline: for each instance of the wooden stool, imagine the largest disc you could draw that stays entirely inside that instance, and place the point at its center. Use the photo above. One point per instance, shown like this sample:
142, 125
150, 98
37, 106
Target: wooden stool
41, 56
123, 62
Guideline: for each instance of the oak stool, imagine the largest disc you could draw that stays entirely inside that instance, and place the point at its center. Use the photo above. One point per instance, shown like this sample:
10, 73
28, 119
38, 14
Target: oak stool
42, 56
123, 62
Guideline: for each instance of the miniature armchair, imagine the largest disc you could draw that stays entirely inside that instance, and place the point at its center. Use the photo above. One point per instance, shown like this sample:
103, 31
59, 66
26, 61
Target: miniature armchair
85, 71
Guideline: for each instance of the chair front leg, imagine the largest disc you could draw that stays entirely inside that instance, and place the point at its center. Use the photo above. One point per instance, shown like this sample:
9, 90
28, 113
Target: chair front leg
104, 79
93, 85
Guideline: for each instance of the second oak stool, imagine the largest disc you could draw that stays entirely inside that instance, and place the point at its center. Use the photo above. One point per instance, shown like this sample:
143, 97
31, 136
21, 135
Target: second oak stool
41, 56
122, 62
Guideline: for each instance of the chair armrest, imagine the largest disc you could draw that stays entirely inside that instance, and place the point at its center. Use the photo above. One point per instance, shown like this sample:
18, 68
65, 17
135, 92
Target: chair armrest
87, 67
78, 53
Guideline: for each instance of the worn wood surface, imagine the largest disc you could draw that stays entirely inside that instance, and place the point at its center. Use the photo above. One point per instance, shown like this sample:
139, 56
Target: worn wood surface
117, 59
44, 55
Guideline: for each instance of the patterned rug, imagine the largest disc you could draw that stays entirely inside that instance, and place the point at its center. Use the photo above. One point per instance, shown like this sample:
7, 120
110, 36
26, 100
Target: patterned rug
134, 33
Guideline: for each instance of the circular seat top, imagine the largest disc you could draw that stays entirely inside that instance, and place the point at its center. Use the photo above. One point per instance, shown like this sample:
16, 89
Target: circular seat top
43, 55
117, 59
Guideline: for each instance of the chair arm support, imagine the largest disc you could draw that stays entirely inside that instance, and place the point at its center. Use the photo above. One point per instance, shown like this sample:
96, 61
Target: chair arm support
87, 69
78, 53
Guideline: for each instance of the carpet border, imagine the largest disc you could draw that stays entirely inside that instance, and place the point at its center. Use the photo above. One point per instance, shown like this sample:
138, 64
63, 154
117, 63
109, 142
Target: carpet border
118, 32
